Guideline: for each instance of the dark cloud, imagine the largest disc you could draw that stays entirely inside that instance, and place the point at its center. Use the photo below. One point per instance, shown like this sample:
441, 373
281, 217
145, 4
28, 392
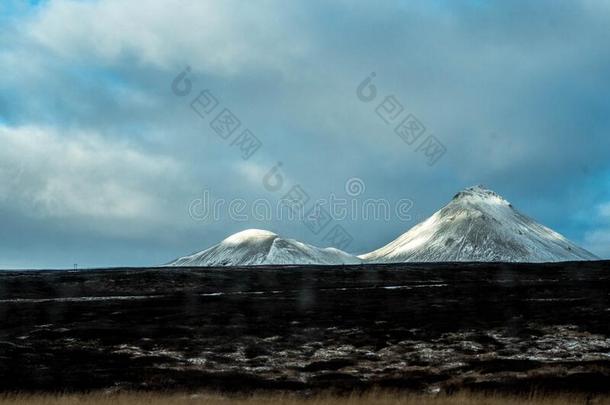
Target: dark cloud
517, 92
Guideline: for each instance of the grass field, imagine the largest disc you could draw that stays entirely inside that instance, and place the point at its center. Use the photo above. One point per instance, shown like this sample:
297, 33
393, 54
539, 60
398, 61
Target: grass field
378, 398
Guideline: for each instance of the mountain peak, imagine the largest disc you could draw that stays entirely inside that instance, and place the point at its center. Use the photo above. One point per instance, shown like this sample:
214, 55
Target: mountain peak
481, 194
479, 225
258, 247
249, 236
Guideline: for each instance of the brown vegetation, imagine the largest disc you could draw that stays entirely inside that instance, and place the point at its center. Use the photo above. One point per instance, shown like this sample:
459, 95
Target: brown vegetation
375, 397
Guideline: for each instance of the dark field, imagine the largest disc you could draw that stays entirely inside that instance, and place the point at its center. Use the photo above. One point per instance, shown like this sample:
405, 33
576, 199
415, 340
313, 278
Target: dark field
427, 328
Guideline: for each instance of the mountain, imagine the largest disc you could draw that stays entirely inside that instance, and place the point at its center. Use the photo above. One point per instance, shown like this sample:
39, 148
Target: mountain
479, 225
255, 246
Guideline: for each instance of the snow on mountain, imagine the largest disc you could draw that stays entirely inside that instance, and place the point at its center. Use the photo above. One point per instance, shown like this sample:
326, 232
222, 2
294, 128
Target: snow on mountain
255, 247
479, 225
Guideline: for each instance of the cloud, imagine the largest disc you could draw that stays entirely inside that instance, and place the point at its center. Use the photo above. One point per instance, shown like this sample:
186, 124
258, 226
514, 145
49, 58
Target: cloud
598, 242
253, 173
604, 211
598, 238
517, 91
83, 177
220, 37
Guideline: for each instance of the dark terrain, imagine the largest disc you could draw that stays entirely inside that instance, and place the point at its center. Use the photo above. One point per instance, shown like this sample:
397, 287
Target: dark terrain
423, 327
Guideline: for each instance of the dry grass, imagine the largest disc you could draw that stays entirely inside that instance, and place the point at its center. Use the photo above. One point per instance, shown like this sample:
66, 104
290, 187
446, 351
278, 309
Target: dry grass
376, 397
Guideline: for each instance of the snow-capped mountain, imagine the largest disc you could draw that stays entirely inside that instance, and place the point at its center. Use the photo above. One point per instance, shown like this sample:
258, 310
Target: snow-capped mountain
479, 225
255, 247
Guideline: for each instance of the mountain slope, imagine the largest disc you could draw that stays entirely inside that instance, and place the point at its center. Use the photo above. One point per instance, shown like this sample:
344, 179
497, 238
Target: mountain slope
479, 225
255, 247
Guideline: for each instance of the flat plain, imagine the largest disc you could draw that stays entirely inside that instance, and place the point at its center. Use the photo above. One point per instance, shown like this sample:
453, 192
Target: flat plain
417, 328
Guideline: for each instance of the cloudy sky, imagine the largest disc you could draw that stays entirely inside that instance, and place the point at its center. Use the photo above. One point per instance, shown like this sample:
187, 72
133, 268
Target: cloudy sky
101, 158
